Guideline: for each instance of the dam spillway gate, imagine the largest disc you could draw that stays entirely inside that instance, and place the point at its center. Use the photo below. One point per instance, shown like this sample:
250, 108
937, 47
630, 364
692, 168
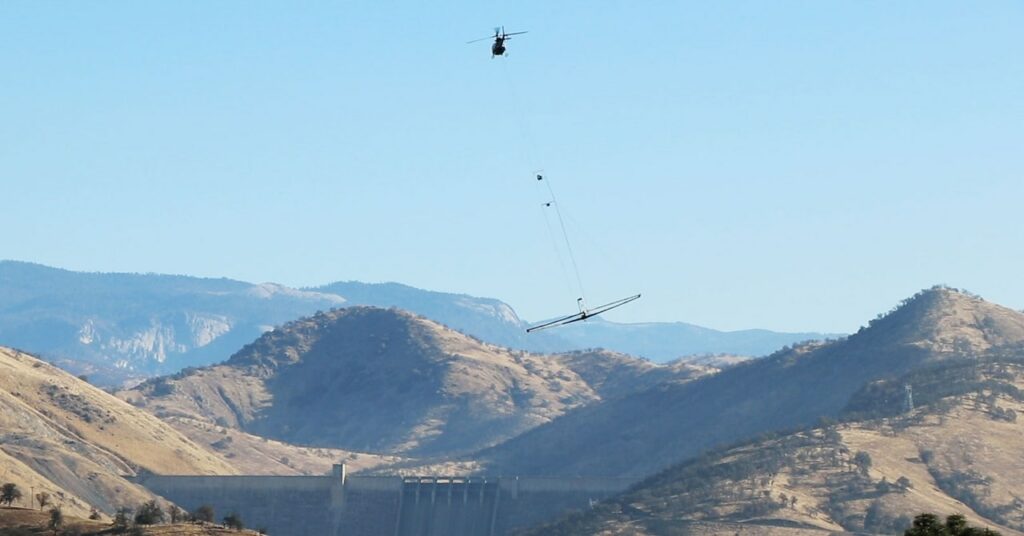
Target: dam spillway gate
342, 504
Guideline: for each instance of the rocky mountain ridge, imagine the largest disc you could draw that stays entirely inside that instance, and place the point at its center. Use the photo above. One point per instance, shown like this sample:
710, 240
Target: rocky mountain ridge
113, 327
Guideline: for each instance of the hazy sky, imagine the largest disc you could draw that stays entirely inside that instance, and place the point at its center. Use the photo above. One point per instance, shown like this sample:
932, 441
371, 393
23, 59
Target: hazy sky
786, 165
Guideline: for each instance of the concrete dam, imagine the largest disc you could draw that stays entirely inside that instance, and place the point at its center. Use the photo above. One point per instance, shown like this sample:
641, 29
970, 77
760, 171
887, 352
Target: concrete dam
342, 504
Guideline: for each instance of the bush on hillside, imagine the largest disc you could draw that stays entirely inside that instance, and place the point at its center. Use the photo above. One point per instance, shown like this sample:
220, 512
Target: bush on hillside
233, 521
149, 514
9, 493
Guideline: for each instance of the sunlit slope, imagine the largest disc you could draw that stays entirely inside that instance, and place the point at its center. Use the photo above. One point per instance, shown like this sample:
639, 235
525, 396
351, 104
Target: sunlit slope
958, 454
641, 433
63, 435
384, 380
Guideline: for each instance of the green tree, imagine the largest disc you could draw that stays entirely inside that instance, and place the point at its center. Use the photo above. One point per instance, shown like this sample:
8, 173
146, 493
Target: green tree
121, 519
904, 483
883, 486
149, 514
926, 525
955, 525
56, 520
233, 521
863, 461
43, 499
9, 493
204, 513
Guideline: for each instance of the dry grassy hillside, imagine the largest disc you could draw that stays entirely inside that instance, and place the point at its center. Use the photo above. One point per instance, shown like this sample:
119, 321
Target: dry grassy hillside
25, 522
959, 454
61, 435
254, 455
368, 379
791, 389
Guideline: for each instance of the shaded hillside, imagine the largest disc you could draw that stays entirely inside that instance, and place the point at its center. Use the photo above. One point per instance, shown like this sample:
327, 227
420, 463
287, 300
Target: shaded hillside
61, 435
791, 389
614, 375
960, 453
379, 380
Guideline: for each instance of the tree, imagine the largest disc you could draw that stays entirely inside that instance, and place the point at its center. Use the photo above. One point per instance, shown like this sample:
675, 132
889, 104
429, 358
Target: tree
926, 525
94, 514
955, 525
43, 498
121, 519
56, 520
233, 521
883, 486
863, 461
204, 513
149, 514
177, 515
9, 493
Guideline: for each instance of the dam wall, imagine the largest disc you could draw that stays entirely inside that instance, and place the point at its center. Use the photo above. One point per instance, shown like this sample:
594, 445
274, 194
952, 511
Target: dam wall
385, 505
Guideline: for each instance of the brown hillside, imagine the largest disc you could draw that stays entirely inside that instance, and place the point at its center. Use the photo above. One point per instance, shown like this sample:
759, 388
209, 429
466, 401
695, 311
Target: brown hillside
961, 454
791, 389
64, 436
23, 522
377, 380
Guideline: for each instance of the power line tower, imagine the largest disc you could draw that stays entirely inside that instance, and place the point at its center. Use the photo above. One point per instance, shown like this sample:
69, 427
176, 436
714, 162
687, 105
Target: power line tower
909, 398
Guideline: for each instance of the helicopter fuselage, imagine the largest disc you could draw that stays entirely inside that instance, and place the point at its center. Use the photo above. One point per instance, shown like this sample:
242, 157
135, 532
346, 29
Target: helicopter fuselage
498, 48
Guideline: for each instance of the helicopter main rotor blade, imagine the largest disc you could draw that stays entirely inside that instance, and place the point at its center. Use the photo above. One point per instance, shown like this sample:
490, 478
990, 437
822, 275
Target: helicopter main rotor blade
481, 39
513, 33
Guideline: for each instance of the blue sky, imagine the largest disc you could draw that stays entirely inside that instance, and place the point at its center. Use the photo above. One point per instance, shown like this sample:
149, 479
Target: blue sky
787, 165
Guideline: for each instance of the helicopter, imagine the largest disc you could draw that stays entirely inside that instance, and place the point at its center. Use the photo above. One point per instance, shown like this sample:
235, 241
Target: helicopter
498, 48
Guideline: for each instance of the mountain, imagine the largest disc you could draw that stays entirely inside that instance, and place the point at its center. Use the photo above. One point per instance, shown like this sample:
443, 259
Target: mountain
113, 327
957, 453
487, 319
385, 380
497, 323
664, 341
791, 389
61, 435
142, 323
